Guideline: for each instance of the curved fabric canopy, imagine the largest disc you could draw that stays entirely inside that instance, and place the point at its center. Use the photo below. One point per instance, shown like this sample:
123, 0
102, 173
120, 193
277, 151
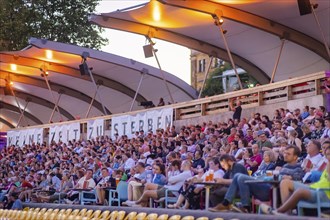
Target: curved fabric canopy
117, 79
254, 32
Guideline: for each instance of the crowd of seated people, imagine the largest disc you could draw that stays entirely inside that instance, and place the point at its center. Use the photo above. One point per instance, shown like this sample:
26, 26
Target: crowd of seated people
293, 143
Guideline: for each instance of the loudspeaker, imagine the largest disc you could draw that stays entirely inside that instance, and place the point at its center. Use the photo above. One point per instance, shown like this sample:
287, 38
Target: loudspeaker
84, 69
305, 7
147, 49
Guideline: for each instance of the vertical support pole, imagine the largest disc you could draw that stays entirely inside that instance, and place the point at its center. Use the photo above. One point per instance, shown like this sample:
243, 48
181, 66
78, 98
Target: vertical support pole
51, 93
217, 17
277, 60
177, 113
289, 92
203, 109
144, 71
317, 86
160, 68
205, 77
321, 31
91, 104
260, 98
55, 107
22, 114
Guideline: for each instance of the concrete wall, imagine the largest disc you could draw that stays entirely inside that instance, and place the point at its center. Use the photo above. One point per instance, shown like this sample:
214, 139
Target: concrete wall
314, 101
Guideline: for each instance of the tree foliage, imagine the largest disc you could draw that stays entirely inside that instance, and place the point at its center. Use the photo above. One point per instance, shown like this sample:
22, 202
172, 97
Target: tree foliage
213, 84
58, 20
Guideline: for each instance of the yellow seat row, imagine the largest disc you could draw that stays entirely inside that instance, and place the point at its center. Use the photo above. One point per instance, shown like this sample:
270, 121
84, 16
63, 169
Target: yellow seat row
84, 214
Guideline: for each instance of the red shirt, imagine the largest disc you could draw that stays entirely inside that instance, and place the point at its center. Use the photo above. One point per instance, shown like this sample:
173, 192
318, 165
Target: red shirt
258, 159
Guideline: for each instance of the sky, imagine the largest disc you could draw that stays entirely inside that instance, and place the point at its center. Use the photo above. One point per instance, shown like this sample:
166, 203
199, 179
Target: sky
130, 45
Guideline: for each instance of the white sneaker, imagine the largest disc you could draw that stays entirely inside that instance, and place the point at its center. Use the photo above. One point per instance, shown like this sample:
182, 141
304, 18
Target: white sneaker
266, 209
130, 203
67, 201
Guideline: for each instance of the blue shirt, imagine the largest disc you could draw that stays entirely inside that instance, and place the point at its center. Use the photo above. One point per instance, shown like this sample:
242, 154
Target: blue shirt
304, 115
159, 179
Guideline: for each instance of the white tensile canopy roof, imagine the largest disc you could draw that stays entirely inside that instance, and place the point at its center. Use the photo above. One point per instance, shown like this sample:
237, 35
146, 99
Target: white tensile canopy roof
118, 79
254, 31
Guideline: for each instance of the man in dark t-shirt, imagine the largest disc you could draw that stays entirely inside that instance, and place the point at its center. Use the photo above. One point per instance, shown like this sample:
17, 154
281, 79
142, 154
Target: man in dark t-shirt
231, 168
237, 110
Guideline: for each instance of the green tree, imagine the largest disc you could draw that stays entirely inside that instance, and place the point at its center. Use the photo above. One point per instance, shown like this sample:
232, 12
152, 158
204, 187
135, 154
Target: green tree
59, 20
213, 85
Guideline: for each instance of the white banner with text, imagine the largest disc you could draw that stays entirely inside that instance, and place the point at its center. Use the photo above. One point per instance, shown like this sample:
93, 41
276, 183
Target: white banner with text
64, 133
95, 128
23, 137
147, 121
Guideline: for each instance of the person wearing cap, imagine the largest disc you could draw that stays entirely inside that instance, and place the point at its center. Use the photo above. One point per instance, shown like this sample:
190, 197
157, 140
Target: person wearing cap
263, 142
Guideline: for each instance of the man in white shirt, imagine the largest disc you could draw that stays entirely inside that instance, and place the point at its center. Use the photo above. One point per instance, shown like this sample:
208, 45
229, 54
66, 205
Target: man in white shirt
85, 182
314, 161
128, 161
56, 182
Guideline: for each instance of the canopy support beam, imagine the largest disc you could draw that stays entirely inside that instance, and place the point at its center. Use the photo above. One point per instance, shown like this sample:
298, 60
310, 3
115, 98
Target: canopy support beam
143, 72
217, 16
84, 58
18, 106
277, 60
314, 6
22, 113
91, 104
205, 77
44, 74
154, 51
55, 107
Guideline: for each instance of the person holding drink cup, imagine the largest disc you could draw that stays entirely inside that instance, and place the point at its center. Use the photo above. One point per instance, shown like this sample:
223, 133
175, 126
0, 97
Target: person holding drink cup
190, 192
291, 170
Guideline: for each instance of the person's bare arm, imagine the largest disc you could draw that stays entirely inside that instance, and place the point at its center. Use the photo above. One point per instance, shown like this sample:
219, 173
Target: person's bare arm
223, 181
